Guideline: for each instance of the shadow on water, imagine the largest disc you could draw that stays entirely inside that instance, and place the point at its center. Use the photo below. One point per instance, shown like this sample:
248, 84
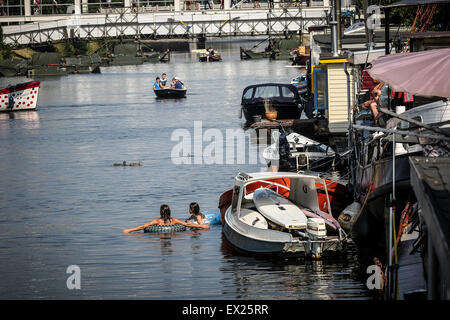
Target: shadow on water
312, 279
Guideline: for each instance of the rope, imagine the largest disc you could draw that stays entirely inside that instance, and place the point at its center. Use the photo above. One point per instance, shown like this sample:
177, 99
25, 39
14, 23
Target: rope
424, 17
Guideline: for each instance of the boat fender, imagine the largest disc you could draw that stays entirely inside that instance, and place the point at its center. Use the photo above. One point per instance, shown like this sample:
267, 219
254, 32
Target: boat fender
165, 228
348, 216
10, 101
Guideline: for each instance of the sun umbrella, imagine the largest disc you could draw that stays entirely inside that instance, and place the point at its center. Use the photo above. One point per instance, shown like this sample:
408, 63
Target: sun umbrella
424, 73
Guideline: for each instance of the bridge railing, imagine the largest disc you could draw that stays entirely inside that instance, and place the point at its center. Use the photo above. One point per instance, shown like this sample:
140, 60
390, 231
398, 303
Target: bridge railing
51, 7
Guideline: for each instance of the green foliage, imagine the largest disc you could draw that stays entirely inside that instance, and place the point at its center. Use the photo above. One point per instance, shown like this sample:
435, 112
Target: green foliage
404, 16
5, 49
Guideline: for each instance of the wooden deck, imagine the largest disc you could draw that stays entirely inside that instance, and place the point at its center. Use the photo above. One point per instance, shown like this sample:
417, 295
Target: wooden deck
411, 277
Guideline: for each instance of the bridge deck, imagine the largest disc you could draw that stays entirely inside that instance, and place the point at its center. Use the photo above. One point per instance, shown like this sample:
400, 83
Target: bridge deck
166, 24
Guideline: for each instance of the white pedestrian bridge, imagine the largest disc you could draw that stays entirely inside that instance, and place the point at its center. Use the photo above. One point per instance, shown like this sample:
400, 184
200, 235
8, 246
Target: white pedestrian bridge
174, 20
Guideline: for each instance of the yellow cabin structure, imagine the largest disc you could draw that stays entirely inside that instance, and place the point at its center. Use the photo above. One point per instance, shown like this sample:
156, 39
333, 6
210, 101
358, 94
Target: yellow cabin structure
330, 92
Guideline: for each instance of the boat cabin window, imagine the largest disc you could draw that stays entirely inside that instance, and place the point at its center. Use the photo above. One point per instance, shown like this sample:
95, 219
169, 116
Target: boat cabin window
267, 92
286, 92
248, 93
313, 148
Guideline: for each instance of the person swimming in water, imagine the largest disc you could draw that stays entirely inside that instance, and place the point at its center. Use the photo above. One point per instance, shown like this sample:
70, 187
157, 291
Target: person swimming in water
197, 216
164, 220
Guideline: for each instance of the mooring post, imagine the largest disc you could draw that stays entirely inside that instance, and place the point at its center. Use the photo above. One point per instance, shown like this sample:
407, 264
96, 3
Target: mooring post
27, 7
177, 5
85, 6
77, 5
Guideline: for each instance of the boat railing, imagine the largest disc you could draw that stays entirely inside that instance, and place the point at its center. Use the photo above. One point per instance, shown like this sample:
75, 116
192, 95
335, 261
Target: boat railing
270, 183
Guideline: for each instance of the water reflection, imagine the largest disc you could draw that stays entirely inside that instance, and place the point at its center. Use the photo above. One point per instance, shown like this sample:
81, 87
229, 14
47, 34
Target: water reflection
26, 119
61, 188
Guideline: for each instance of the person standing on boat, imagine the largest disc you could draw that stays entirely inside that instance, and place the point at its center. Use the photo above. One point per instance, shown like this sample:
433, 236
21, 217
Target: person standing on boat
157, 85
164, 220
197, 216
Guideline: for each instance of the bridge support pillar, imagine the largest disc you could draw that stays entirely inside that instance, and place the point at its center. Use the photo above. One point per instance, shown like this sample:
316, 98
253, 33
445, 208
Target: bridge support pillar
126, 3
226, 4
27, 5
77, 5
84, 7
177, 5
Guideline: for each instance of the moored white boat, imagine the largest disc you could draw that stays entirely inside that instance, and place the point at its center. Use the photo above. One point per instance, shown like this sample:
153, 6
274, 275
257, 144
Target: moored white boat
249, 228
306, 154
19, 97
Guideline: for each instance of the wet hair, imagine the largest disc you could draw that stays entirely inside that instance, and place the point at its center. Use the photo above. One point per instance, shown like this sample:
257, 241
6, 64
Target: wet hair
195, 208
165, 212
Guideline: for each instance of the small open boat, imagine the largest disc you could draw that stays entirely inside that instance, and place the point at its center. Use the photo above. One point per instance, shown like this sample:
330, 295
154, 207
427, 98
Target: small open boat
252, 54
170, 93
214, 58
22, 96
280, 213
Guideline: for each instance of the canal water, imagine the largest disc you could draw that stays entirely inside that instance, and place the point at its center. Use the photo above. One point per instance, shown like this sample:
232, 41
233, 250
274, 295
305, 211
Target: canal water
63, 203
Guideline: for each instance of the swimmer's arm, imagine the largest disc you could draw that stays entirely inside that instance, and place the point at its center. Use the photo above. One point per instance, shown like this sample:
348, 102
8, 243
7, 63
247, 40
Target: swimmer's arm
201, 224
128, 231
186, 224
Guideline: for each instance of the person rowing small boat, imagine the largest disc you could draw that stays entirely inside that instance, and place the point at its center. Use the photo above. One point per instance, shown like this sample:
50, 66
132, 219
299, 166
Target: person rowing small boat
176, 89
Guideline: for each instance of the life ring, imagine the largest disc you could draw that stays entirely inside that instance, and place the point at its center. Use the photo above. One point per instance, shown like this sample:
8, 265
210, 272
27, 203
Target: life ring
165, 228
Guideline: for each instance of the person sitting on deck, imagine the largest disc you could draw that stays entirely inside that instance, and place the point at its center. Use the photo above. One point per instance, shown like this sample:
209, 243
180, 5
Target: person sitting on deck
197, 216
163, 80
374, 103
164, 220
157, 85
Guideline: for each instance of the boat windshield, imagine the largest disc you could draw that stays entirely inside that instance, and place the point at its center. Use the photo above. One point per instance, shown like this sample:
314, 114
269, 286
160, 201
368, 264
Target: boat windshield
286, 92
248, 93
267, 92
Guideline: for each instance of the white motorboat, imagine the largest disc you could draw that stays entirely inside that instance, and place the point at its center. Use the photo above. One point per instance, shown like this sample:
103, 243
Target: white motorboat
308, 154
279, 213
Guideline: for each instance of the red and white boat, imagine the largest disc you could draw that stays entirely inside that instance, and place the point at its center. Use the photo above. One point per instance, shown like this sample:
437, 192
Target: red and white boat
19, 97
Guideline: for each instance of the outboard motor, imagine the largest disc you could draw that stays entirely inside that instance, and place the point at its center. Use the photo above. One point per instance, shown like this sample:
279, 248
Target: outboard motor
285, 153
316, 231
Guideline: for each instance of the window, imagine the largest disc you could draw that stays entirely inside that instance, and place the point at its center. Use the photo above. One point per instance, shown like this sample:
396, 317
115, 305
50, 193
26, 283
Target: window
248, 94
320, 89
286, 92
267, 92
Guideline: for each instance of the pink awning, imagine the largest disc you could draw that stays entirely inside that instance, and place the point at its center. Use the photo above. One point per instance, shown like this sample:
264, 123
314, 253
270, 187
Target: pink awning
424, 73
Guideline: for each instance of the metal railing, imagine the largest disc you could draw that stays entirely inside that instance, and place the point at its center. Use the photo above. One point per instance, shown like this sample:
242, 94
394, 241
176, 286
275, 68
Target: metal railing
48, 7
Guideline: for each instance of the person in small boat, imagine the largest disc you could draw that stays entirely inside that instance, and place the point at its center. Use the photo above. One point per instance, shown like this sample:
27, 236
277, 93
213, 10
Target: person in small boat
164, 220
157, 85
163, 80
197, 216
176, 83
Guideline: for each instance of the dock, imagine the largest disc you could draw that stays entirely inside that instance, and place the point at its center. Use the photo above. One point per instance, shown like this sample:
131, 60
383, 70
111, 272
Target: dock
430, 179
